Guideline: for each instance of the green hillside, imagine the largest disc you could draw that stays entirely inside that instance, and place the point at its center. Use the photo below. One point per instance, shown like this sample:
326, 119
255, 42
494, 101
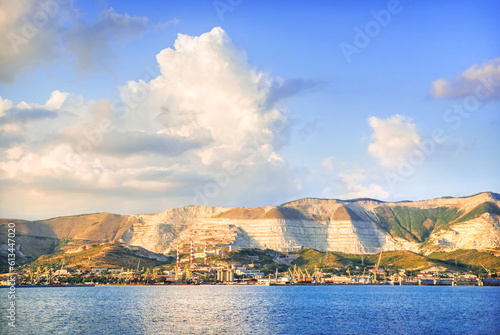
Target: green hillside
470, 258
310, 258
415, 224
485, 207
105, 255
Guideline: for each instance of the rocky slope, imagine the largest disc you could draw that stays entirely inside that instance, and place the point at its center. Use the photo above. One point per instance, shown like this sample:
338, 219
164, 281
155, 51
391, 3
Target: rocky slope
353, 226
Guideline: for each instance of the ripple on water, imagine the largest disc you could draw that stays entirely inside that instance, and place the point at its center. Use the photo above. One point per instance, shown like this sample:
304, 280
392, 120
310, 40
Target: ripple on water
256, 310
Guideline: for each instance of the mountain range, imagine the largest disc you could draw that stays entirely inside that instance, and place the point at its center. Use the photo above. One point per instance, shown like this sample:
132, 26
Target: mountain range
359, 226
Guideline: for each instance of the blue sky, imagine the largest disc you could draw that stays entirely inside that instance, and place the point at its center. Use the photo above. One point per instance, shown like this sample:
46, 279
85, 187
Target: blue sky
257, 103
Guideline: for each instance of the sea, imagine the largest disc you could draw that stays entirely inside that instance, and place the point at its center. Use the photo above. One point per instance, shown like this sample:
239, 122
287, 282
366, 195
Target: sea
217, 309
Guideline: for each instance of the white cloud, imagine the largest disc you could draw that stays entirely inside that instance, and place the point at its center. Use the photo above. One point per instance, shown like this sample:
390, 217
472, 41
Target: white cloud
208, 92
329, 163
5, 104
393, 139
37, 32
165, 24
359, 185
482, 81
204, 120
15, 152
56, 100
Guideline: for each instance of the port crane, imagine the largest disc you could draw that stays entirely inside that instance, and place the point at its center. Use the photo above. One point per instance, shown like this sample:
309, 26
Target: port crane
38, 274
146, 274
155, 272
376, 267
120, 275
47, 275
489, 271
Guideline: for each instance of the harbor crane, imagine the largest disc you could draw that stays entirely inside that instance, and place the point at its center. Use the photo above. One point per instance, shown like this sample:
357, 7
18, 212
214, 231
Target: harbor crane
38, 273
146, 274
155, 272
376, 267
47, 275
489, 271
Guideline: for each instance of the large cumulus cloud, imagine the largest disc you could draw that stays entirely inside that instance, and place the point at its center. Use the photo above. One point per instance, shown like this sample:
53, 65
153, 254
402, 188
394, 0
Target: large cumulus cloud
208, 129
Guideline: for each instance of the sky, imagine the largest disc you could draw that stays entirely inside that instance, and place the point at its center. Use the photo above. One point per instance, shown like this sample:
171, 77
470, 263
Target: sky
137, 107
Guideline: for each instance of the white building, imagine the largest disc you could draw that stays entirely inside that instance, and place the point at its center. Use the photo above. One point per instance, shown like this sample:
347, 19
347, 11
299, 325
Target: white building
249, 272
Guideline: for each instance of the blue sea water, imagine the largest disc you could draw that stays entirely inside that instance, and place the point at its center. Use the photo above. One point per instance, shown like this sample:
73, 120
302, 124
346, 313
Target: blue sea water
254, 310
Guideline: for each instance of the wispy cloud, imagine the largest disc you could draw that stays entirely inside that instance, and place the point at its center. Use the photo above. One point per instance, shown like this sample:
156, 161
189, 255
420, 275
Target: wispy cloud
62, 33
166, 24
482, 81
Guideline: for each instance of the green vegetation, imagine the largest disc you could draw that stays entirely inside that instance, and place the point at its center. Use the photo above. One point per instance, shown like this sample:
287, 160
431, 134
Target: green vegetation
469, 259
485, 207
394, 260
93, 224
422, 222
256, 256
403, 260
62, 243
390, 223
415, 224
97, 255
311, 258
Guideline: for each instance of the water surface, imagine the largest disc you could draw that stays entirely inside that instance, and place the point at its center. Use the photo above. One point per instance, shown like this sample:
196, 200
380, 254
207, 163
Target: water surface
255, 310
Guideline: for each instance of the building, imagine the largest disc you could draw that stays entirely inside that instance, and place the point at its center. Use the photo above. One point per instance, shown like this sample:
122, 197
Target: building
244, 271
216, 252
225, 275
61, 272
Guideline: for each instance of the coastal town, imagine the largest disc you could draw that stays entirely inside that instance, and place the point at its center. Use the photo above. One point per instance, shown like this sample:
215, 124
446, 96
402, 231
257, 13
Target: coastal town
213, 267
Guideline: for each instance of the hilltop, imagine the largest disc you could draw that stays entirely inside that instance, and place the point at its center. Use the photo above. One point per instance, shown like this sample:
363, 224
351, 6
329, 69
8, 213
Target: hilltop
359, 226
